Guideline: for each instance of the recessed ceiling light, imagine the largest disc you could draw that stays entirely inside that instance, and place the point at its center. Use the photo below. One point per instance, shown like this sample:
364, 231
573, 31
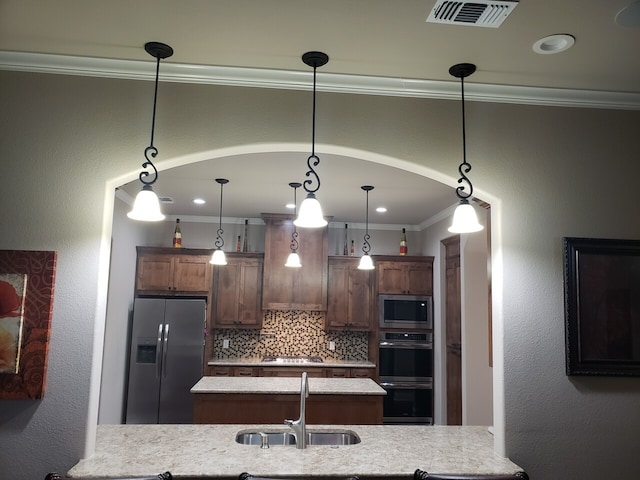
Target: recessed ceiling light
554, 44
199, 201
290, 206
381, 209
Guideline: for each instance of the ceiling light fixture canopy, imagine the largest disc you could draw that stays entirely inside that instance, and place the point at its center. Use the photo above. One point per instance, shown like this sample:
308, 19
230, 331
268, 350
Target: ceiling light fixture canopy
365, 260
293, 260
465, 219
218, 257
146, 206
310, 210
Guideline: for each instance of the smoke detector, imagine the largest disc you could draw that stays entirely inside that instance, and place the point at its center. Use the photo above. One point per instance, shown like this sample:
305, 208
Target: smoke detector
479, 13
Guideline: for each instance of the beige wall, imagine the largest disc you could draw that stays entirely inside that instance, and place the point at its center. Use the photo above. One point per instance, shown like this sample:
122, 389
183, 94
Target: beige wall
553, 171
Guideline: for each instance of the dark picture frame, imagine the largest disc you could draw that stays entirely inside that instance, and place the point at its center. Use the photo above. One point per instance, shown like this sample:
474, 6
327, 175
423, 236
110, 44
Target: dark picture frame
602, 306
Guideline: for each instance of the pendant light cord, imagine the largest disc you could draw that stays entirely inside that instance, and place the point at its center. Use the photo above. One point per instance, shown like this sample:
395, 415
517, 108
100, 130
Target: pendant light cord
465, 167
219, 240
366, 246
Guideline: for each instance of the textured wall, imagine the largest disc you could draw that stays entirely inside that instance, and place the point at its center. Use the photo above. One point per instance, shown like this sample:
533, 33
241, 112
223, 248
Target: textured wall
65, 142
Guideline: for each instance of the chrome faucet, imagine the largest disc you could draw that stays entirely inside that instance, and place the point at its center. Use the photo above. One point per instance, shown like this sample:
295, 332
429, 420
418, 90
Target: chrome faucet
299, 426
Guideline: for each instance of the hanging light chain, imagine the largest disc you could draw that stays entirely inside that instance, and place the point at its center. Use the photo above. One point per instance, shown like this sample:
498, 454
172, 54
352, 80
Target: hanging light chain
315, 60
461, 71
366, 246
159, 51
294, 236
219, 243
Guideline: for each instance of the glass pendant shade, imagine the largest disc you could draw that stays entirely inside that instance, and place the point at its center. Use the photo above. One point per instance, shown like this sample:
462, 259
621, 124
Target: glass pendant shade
310, 215
293, 260
146, 206
465, 219
218, 257
365, 262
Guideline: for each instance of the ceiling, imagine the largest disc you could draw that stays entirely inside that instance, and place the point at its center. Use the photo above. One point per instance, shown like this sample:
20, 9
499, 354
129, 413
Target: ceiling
375, 39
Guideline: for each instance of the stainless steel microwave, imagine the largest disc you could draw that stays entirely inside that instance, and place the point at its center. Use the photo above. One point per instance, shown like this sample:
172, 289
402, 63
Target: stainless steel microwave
405, 311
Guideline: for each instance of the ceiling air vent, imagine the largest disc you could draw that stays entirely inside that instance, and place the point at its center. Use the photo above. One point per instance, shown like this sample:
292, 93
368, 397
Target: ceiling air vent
476, 14
165, 199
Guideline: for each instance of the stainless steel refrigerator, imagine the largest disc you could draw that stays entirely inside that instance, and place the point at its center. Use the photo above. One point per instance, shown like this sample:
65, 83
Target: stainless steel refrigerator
167, 348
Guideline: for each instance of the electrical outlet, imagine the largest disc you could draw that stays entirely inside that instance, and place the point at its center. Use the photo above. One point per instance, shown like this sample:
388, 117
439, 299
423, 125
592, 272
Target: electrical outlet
332, 345
225, 343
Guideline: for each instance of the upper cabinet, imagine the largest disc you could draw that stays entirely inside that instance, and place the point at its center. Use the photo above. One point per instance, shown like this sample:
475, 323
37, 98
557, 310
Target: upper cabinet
349, 295
164, 271
237, 291
402, 275
287, 288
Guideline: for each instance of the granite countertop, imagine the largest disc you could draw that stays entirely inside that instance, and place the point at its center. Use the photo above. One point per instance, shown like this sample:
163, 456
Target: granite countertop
210, 450
259, 362
288, 385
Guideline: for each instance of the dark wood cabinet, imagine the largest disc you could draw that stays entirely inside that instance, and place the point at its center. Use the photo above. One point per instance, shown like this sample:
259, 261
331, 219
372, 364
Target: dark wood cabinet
238, 291
287, 288
404, 275
349, 295
165, 271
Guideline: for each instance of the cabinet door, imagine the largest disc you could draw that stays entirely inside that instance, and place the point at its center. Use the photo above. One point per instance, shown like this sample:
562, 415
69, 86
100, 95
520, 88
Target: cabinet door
238, 289
155, 272
419, 278
192, 273
288, 288
391, 278
362, 372
349, 295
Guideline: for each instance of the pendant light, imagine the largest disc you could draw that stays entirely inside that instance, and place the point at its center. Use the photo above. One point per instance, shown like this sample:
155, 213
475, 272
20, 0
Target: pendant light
293, 260
310, 215
365, 260
146, 206
465, 219
218, 257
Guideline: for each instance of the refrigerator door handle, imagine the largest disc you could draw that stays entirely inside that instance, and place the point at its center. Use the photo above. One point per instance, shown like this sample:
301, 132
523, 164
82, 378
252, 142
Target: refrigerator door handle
159, 351
165, 347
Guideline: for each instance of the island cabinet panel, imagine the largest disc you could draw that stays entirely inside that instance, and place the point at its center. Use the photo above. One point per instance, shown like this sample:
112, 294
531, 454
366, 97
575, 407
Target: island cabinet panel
237, 291
404, 275
274, 408
349, 295
287, 288
166, 271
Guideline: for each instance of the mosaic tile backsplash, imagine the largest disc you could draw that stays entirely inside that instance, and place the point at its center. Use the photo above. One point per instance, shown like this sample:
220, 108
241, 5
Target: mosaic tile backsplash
291, 333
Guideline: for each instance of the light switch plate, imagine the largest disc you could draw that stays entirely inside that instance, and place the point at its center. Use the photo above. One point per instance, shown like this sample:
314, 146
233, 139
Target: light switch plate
225, 343
332, 346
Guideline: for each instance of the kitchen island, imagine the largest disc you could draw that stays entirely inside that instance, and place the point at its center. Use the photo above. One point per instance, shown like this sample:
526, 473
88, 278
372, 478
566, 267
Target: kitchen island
271, 400
385, 451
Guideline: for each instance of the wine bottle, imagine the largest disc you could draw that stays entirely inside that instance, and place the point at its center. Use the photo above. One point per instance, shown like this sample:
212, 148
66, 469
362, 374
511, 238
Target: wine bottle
245, 248
403, 242
238, 244
177, 235
352, 248
345, 250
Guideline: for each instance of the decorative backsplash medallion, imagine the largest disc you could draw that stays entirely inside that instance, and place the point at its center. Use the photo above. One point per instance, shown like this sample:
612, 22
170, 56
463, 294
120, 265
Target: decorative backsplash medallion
291, 333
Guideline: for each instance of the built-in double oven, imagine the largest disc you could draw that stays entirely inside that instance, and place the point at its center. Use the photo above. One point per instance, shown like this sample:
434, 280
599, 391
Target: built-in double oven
406, 373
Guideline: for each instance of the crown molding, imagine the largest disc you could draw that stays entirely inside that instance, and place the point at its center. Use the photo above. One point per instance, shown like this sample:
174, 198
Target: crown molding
294, 80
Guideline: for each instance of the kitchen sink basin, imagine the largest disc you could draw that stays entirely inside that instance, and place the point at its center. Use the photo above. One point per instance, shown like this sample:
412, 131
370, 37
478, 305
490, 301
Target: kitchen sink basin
314, 437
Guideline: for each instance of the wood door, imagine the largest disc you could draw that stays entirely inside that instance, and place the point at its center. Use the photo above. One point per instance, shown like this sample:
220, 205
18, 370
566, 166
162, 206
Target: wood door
360, 297
338, 294
226, 294
250, 293
419, 277
155, 272
192, 273
391, 278
453, 330
238, 289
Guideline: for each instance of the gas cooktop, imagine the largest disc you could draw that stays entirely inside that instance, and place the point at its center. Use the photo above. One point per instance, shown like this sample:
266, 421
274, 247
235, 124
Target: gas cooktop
295, 360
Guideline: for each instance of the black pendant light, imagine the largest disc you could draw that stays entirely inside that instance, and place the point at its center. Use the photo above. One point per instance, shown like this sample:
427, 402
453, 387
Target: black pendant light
365, 261
465, 219
146, 206
310, 215
218, 257
293, 260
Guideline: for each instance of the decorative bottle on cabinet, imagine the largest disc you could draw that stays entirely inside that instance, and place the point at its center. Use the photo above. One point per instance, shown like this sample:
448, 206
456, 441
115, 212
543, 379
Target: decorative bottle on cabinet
352, 248
245, 248
238, 244
403, 242
345, 250
177, 235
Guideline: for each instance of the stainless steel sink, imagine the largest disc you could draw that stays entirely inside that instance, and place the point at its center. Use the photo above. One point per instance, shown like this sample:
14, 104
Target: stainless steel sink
314, 437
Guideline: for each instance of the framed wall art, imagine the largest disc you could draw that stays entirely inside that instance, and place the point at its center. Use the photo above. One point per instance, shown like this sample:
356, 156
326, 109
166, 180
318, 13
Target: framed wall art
602, 306
26, 300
